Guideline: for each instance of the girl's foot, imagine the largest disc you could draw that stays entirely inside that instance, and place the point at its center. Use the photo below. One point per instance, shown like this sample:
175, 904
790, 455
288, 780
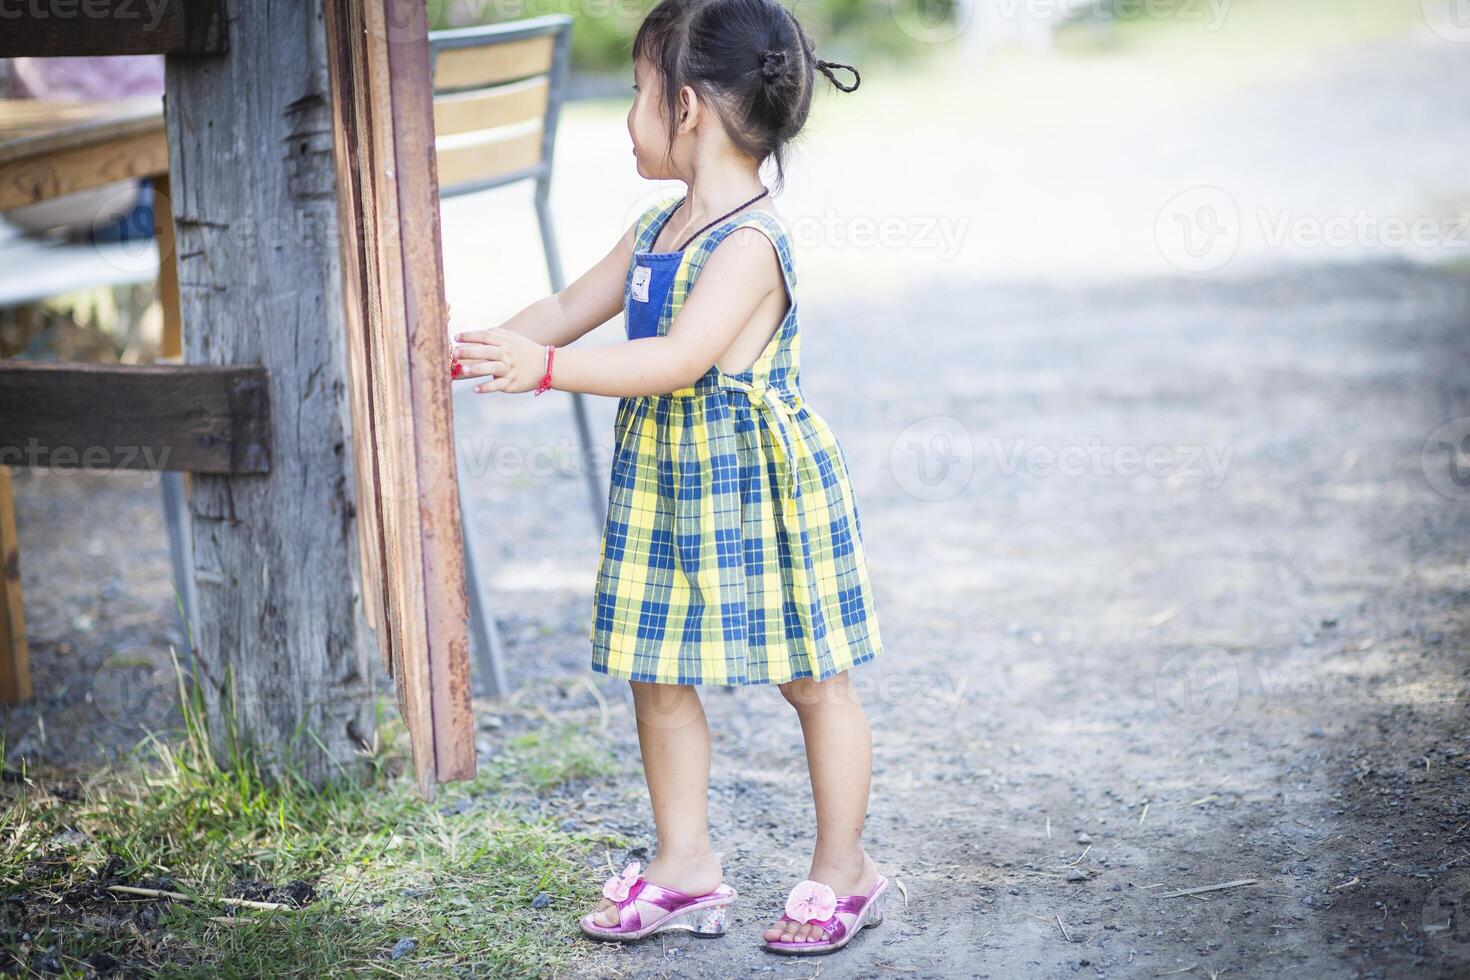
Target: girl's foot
697, 875
857, 878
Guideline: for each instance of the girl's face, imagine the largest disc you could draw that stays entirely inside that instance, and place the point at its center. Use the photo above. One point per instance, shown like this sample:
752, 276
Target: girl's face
647, 125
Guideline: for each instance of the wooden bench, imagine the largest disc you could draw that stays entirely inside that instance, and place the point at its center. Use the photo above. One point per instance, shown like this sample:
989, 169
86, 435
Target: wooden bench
49, 150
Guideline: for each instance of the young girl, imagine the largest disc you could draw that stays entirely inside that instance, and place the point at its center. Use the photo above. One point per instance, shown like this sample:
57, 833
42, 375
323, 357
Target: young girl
732, 552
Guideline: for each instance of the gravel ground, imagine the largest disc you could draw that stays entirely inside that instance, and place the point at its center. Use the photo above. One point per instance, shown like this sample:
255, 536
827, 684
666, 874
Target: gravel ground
1105, 682
1172, 577
1100, 685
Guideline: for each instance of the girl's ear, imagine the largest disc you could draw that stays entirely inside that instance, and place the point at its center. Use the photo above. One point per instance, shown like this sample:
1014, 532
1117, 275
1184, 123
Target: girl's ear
689, 109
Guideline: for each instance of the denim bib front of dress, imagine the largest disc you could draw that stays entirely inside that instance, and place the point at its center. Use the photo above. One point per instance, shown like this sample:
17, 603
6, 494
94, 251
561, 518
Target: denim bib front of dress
648, 291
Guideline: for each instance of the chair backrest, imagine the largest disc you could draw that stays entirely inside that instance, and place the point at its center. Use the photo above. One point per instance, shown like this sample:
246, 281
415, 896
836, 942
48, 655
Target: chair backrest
497, 93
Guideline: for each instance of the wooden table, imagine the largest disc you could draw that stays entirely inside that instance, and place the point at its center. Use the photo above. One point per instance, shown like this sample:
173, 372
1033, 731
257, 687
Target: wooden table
49, 150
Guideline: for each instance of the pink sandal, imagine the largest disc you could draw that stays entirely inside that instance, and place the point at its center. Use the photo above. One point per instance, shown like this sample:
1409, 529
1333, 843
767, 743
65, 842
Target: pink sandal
839, 919
645, 908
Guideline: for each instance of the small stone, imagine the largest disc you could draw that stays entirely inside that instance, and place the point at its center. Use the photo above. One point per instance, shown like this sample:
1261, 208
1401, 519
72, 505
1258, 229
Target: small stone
403, 947
541, 900
1076, 874
1084, 838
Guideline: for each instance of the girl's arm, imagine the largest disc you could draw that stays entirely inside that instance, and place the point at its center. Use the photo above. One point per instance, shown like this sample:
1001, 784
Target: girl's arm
727, 293
595, 298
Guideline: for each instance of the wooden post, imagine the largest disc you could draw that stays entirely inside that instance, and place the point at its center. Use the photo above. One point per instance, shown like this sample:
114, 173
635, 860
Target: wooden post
283, 658
15, 670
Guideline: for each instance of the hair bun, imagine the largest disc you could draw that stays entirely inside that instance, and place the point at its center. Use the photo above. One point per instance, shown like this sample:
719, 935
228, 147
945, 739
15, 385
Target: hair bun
773, 65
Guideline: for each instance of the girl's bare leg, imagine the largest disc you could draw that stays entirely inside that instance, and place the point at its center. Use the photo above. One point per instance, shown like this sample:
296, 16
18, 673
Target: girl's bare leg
839, 753
674, 738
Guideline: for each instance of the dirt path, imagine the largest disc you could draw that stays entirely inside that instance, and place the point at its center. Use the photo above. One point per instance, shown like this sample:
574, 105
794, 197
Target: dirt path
1104, 687
1099, 687
1105, 681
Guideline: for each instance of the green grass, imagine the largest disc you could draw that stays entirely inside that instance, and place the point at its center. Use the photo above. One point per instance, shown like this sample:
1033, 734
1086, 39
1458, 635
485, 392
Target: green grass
457, 876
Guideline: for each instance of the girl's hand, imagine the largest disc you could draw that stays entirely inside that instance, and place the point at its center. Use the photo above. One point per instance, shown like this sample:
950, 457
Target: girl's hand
512, 362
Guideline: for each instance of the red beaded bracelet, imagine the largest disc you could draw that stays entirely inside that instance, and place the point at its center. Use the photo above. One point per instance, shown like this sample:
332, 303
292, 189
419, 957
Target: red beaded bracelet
546, 378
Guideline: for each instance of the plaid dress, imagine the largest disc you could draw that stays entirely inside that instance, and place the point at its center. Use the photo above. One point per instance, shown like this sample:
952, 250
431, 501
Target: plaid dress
732, 552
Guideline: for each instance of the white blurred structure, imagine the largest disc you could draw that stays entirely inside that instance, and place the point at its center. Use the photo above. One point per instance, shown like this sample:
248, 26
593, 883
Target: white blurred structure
986, 24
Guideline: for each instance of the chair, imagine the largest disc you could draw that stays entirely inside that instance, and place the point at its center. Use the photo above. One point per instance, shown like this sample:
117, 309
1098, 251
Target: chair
497, 94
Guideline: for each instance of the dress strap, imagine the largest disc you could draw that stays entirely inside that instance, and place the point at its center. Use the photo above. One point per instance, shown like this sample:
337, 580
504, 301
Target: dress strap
769, 225
651, 222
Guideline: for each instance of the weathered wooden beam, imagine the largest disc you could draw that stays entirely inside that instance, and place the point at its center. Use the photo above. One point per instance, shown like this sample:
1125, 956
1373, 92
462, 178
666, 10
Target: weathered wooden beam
64, 161
134, 417
283, 659
15, 658
394, 268
33, 29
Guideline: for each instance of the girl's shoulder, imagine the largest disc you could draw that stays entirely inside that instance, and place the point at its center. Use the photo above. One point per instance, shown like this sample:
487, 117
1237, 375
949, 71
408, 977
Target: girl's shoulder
768, 223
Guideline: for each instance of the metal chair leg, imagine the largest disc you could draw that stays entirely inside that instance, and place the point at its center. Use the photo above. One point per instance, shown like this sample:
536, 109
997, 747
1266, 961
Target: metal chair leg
181, 551
485, 641
595, 490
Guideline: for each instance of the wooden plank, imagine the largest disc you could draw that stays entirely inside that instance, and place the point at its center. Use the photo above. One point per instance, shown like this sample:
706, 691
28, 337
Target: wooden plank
284, 663
467, 112
473, 157
411, 82
109, 27
172, 344
385, 94
157, 417
360, 297
477, 67
31, 127
26, 117
40, 168
15, 658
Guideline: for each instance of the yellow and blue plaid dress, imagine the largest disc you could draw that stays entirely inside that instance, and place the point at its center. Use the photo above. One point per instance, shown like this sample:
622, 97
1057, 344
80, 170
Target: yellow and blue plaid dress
733, 548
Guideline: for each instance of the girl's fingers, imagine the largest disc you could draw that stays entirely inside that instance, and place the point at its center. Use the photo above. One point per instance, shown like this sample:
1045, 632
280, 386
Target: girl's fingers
495, 384
477, 369
473, 352
470, 337
477, 351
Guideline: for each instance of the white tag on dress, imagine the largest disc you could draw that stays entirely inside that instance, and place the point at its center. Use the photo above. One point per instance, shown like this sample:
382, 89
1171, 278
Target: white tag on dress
641, 276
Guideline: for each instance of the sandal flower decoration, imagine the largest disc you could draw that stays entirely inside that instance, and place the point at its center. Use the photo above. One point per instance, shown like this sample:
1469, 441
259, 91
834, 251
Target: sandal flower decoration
617, 887
811, 901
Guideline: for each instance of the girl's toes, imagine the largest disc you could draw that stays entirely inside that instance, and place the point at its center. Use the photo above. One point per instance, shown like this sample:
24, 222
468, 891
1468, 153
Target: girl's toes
607, 914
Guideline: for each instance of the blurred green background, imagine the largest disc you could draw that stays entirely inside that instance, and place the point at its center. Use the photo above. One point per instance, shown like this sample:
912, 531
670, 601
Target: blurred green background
605, 28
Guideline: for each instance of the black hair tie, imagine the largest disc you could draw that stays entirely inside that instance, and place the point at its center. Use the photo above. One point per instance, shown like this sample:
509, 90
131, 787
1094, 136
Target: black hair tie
773, 65
825, 67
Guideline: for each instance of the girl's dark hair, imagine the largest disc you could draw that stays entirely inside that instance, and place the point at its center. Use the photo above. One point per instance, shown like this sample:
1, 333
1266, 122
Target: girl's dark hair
749, 58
